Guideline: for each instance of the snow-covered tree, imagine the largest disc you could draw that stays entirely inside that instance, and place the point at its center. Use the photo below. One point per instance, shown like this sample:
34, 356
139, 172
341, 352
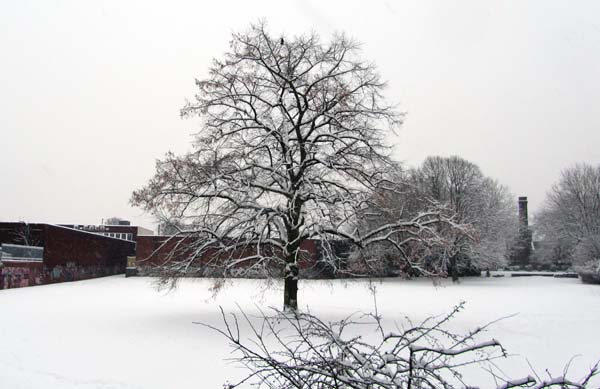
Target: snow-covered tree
475, 200
113, 221
497, 226
569, 222
291, 149
553, 247
404, 199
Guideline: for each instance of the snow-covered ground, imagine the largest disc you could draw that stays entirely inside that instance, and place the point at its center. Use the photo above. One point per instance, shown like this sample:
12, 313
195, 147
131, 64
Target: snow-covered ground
118, 332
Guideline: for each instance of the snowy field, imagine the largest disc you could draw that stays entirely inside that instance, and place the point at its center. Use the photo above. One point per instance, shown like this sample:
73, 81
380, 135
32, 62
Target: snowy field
121, 333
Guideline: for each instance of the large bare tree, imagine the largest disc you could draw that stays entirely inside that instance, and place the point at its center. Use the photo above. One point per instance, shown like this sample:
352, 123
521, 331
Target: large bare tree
291, 148
569, 222
480, 202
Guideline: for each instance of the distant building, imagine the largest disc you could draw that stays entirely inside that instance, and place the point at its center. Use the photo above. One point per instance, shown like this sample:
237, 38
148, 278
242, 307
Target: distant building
123, 230
37, 253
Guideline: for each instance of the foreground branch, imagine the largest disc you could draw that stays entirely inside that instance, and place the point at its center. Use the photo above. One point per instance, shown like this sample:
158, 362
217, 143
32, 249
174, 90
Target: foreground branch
299, 350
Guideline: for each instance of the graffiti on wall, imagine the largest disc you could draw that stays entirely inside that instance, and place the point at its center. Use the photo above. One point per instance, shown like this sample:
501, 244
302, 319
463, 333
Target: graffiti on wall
72, 272
19, 277
23, 275
20, 266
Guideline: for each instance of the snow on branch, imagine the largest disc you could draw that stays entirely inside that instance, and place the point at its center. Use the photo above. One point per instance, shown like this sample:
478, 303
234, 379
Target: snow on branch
292, 148
299, 350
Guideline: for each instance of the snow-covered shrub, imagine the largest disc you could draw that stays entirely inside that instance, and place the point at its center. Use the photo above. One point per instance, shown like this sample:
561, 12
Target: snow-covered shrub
587, 253
586, 259
299, 350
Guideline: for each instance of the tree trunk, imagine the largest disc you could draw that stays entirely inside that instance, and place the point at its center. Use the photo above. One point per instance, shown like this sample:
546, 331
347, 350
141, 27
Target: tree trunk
290, 288
453, 269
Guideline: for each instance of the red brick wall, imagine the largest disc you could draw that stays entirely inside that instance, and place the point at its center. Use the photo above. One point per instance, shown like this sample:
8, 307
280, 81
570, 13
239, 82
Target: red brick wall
155, 250
17, 274
69, 255
75, 255
152, 251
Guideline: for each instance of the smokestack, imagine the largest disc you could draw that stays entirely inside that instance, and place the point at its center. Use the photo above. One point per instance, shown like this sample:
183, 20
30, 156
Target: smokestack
522, 250
523, 218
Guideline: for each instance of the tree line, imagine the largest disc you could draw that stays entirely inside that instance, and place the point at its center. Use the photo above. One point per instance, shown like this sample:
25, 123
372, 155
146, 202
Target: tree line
568, 225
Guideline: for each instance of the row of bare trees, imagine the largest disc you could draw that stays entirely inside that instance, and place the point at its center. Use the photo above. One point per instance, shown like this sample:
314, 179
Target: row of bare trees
568, 226
483, 214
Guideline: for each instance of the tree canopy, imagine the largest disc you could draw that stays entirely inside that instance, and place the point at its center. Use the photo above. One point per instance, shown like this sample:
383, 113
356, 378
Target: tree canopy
476, 200
569, 222
291, 148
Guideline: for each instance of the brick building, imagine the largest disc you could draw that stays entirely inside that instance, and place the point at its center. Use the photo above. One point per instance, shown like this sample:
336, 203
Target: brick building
155, 251
63, 254
120, 231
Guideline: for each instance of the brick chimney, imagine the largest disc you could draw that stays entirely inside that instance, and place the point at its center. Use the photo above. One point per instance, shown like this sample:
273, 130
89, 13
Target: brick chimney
523, 217
522, 250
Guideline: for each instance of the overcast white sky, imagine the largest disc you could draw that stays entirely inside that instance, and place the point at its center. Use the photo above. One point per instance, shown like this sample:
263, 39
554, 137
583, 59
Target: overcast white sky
90, 92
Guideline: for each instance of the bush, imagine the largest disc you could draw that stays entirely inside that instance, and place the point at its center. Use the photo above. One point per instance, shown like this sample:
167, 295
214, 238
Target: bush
296, 350
588, 277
